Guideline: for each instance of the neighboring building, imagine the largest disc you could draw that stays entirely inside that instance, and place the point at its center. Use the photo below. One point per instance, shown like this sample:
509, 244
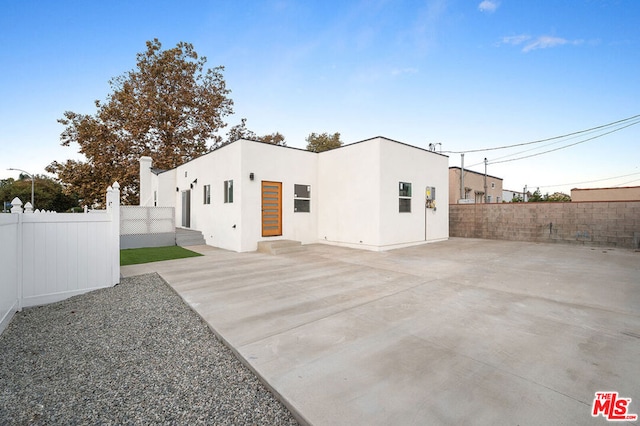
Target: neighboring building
369, 194
629, 193
474, 183
508, 195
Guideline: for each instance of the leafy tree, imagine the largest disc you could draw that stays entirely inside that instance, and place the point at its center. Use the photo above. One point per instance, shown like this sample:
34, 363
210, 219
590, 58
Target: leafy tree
536, 196
555, 197
167, 108
276, 138
49, 194
558, 197
323, 142
240, 131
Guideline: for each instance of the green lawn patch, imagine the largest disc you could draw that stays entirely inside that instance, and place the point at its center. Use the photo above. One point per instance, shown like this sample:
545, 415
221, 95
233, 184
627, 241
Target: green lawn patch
154, 254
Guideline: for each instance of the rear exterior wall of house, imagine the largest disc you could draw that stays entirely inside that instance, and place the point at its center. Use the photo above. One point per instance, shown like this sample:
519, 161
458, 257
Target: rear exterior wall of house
368, 195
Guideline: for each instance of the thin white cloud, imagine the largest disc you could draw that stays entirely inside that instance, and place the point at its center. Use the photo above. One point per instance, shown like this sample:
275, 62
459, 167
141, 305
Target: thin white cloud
488, 6
425, 29
545, 42
541, 42
516, 40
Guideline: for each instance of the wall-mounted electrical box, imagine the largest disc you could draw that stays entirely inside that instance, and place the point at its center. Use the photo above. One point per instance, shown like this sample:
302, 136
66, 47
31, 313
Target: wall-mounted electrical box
430, 193
430, 197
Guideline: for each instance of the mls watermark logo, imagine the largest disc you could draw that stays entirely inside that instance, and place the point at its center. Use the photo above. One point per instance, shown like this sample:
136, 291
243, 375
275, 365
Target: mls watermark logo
612, 407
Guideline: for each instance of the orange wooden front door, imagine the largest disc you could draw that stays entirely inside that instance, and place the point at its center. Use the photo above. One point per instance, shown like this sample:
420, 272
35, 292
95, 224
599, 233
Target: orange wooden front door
271, 209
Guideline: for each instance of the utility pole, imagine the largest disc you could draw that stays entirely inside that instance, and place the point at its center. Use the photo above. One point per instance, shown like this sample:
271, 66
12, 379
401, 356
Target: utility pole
462, 194
524, 194
485, 180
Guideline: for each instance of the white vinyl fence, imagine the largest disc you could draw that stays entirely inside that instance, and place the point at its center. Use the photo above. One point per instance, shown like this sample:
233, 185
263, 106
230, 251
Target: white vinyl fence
48, 257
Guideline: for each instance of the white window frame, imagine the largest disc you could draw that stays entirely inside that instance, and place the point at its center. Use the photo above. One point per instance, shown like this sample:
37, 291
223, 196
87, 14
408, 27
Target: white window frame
228, 191
402, 196
305, 200
207, 194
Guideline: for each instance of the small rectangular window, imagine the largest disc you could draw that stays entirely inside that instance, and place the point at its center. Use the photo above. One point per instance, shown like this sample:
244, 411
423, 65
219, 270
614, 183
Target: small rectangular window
228, 191
301, 198
405, 205
302, 191
207, 194
301, 206
404, 194
404, 189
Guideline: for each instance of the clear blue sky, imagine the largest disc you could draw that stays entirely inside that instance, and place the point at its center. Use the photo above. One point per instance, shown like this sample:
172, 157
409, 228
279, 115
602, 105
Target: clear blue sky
467, 74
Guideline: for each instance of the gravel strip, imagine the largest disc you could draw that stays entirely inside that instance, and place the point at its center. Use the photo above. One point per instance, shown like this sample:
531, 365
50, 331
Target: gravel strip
131, 354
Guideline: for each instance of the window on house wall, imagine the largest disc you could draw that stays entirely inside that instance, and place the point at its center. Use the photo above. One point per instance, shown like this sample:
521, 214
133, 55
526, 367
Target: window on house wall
228, 191
301, 198
493, 185
207, 194
404, 193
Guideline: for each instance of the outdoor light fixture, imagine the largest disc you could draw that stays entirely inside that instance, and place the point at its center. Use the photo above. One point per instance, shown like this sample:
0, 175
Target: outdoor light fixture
177, 189
251, 176
32, 183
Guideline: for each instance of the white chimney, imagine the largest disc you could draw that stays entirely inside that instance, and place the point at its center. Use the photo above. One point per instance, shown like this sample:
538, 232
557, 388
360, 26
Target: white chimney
146, 192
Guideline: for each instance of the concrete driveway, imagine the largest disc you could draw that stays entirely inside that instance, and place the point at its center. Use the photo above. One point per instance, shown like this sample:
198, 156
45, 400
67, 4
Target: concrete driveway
464, 331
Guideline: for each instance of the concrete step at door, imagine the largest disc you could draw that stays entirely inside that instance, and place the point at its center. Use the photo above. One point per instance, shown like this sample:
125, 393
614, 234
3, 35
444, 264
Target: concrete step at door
189, 237
279, 247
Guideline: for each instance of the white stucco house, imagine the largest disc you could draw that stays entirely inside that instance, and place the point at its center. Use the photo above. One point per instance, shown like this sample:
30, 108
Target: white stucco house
377, 194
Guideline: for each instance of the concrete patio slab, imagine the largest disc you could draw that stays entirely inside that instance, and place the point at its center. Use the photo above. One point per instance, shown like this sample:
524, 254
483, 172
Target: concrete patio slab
458, 332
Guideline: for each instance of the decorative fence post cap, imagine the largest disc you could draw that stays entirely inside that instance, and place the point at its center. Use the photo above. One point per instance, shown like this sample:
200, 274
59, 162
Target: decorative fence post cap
16, 206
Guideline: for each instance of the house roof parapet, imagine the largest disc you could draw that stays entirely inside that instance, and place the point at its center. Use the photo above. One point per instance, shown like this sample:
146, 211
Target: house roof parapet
600, 189
476, 173
159, 171
394, 141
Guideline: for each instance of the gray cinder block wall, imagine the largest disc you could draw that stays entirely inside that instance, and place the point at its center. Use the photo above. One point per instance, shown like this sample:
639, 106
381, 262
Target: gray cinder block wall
607, 223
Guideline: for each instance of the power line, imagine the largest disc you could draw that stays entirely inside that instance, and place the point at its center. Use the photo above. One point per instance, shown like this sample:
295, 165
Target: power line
535, 148
627, 183
548, 139
592, 181
566, 146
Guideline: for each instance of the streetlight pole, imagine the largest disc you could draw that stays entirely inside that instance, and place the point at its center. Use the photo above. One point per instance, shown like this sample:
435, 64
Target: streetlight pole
32, 184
